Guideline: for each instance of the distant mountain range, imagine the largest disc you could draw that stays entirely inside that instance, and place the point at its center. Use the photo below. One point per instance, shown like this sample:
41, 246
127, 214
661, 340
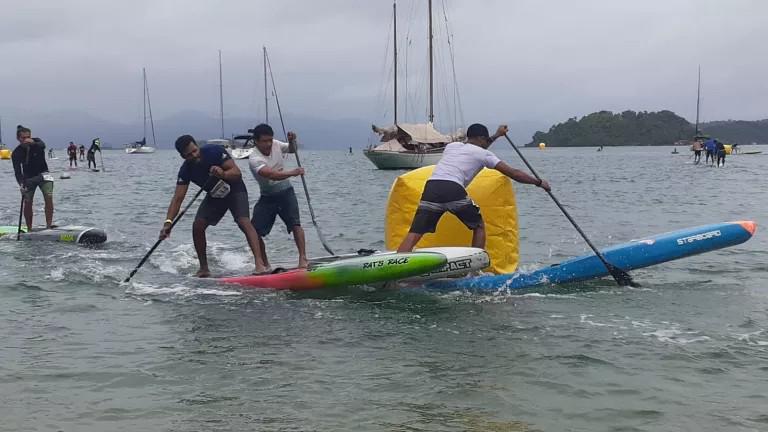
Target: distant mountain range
59, 128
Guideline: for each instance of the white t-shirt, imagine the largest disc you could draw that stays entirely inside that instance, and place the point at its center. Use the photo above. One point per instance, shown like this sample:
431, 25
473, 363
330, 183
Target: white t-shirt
274, 161
461, 162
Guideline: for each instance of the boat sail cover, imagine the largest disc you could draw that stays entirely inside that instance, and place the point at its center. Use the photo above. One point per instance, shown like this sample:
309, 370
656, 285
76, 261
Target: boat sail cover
393, 137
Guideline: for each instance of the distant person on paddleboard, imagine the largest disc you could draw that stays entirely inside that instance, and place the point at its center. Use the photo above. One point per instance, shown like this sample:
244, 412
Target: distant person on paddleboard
710, 147
277, 195
696, 147
72, 153
720, 153
92, 152
82, 152
211, 168
31, 172
445, 189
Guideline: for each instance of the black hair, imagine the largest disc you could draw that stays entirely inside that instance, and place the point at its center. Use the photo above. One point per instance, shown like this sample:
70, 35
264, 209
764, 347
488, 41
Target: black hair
182, 142
477, 130
262, 129
21, 129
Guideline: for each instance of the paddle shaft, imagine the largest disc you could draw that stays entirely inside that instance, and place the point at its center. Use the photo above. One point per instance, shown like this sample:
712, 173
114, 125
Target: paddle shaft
622, 277
24, 184
157, 243
298, 162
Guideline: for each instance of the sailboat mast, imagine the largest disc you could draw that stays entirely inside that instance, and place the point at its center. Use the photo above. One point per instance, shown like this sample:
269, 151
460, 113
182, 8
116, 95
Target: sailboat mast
266, 94
1, 130
698, 101
394, 44
221, 97
431, 96
144, 90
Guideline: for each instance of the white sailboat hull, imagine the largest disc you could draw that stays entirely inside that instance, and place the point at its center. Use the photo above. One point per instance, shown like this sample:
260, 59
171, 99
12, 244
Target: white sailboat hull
140, 150
384, 159
241, 153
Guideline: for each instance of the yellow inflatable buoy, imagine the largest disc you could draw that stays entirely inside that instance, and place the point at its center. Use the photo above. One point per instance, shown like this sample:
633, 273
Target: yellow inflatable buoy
542, 146
490, 190
5, 153
728, 148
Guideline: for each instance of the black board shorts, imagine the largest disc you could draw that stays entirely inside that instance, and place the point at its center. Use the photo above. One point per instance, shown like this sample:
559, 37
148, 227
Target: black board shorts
268, 207
442, 196
213, 209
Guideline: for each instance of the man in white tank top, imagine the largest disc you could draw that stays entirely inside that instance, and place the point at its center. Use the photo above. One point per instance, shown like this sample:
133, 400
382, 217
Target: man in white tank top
446, 188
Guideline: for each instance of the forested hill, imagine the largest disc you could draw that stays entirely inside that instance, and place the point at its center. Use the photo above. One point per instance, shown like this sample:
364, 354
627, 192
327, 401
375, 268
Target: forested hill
643, 128
628, 128
738, 131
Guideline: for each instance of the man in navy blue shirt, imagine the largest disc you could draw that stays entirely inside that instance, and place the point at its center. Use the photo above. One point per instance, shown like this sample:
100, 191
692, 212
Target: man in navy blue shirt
211, 168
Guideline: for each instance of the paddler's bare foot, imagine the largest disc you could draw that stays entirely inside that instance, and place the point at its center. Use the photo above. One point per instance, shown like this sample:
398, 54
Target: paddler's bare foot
203, 273
262, 270
303, 263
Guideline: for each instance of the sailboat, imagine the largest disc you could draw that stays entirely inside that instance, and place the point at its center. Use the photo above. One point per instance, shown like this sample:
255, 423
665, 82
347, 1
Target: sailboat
248, 147
141, 147
409, 145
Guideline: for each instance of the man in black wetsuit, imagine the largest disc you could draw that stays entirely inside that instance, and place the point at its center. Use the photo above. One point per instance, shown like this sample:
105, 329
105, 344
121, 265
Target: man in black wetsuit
92, 152
31, 172
211, 168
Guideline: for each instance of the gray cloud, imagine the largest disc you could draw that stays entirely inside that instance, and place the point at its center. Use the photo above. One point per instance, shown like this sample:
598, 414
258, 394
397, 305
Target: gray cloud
527, 60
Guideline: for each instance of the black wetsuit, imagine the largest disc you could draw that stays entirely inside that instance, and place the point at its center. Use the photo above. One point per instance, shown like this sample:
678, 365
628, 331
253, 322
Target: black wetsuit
29, 160
92, 155
720, 154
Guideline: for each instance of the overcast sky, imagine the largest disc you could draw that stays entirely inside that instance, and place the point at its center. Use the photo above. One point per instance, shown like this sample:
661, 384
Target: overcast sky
515, 59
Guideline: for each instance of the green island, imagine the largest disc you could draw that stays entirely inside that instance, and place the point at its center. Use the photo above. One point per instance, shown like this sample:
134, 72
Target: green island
644, 128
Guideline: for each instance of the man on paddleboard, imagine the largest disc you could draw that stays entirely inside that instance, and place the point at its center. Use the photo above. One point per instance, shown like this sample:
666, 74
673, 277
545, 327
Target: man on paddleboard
446, 188
91, 156
31, 172
72, 153
211, 168
277, 195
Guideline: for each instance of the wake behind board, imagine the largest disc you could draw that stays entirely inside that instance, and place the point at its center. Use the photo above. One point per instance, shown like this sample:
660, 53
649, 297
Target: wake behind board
628, 256
65, 234
372, 267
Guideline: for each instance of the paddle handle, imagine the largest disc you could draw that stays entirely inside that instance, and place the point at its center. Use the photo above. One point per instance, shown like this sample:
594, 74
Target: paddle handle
157, 243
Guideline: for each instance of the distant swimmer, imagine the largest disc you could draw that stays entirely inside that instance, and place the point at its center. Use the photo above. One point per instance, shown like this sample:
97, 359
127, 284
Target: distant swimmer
277, 195
92, 152
696, 147
720, 153
445, 189
211, 168
82, 152
72, 153
31, 171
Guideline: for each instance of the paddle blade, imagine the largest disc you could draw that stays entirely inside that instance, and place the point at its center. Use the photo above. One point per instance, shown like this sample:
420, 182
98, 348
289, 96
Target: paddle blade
622, 278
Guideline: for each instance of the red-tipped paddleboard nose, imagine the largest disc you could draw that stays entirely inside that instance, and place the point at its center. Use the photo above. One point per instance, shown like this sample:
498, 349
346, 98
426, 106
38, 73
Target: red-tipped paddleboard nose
750, 226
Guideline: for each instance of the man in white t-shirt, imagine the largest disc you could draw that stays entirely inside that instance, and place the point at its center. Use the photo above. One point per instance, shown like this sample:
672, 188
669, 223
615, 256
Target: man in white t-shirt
446, 188
277, 195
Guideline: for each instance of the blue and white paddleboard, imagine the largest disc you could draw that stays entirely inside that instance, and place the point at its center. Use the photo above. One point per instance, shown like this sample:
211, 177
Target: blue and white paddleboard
628, 256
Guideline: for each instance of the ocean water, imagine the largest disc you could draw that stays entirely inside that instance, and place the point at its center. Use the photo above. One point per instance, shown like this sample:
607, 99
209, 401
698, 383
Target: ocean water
81, 351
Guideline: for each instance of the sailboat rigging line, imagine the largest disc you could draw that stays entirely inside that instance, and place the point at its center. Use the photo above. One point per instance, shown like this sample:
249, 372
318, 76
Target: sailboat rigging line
149, 105
298, 162
456, 93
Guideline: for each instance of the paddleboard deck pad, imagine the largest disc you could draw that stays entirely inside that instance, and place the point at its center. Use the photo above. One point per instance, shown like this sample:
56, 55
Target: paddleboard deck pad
628, 256
366, 268
65, 234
